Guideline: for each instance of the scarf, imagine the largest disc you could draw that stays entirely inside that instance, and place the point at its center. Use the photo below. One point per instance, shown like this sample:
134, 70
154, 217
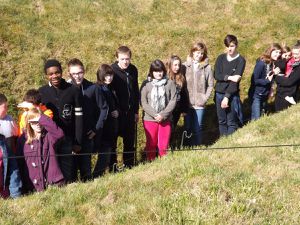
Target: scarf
158, 98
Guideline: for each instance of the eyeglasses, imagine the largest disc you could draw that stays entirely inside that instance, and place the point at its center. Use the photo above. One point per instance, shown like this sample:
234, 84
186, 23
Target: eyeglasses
76, 74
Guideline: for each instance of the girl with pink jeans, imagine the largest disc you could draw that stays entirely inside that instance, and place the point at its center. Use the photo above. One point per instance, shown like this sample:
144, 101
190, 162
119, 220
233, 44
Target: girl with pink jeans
158, 99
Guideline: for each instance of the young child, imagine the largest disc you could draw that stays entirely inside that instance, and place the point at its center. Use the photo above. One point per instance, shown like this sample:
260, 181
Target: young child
32, 98
10, 181
40, 136
158, 100
105, 76
8, 127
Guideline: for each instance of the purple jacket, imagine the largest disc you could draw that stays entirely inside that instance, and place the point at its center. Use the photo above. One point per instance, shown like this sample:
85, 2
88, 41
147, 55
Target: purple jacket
40, 156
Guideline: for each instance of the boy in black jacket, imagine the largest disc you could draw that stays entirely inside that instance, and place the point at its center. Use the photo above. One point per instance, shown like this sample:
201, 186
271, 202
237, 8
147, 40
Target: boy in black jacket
125, 83
65, 101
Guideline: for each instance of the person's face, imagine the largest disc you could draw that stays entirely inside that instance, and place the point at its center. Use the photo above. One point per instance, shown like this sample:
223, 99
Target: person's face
296, 54
175, 67
108, 78
76, 73
36, 127
158, 75
286, 55
123, 60
275, 54
232, 49
3, 110
54, 75
198, 55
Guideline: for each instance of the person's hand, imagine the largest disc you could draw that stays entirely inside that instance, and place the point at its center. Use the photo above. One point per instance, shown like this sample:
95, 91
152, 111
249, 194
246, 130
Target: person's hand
25, 105
91, 134
158, 118
235, 78
270, 75
276, 70
76, 149
136, 117
224, 103
115, 114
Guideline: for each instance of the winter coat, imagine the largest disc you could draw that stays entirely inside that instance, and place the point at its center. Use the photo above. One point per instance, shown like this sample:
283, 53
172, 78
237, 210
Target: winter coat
41, 162
199, 83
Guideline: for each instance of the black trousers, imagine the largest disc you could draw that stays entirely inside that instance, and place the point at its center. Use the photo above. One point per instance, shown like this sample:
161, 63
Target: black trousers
281, 103
127, 130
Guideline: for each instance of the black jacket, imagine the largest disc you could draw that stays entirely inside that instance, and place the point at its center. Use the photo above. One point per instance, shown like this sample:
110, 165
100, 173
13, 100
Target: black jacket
66, 105
125, 83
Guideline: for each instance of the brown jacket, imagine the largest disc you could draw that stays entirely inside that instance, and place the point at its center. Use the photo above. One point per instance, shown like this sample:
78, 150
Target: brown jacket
199, 83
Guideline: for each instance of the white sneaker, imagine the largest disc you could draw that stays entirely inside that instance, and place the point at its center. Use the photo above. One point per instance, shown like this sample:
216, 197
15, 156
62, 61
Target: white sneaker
290, 100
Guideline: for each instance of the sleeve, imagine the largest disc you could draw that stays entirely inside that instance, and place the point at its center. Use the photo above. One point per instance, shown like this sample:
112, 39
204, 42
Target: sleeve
291, 80
233, 87
210, 83
144, 101
137, 92
218, 74
103, 108
53, 130
172, 102
258, 75
78, 99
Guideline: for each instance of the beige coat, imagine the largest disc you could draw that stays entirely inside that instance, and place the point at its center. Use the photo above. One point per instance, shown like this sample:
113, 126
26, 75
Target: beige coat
199, 83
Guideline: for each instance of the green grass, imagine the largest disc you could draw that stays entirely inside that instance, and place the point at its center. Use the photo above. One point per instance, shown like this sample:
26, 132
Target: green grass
246, 186
231, 186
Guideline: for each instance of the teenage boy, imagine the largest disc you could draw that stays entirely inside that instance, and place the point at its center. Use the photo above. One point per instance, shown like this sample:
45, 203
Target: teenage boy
125, 83
76, 72
65, 101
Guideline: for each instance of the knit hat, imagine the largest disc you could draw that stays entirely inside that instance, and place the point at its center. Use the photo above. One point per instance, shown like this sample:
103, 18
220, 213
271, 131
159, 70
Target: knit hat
52, 63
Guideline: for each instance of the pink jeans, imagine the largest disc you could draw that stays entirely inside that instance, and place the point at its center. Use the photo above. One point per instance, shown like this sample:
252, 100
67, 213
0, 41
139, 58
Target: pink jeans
157, 136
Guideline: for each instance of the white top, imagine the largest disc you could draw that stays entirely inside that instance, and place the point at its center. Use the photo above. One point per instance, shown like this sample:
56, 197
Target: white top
8, 127
229, 58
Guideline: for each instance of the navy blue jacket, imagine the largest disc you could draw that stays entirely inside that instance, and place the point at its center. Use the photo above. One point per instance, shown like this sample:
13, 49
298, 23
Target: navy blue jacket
260, 85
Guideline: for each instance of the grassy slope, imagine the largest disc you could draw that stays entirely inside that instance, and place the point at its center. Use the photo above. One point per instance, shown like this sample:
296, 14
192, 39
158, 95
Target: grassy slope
246, 186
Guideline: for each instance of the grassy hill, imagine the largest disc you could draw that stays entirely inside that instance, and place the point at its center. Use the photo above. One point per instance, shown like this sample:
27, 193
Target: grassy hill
246, 186
232, 186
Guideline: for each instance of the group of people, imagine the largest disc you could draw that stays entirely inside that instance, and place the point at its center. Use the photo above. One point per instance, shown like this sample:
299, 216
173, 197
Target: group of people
67, 117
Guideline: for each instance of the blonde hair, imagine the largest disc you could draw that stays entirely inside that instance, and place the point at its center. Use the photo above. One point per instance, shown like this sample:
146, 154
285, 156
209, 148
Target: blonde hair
31, 114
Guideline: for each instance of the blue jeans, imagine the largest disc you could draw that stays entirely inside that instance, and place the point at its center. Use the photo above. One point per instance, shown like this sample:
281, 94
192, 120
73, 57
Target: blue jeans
258, 105
228, 118
193, 123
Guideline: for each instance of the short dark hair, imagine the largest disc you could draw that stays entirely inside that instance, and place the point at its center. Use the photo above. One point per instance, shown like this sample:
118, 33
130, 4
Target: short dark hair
155, 66
75, 62
33, 96
52, 63
103, 70
230, 39
123, 49
3, 99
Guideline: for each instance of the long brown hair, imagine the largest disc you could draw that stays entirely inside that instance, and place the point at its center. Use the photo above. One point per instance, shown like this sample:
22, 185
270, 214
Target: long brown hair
266, 56
178, 77
31, 114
